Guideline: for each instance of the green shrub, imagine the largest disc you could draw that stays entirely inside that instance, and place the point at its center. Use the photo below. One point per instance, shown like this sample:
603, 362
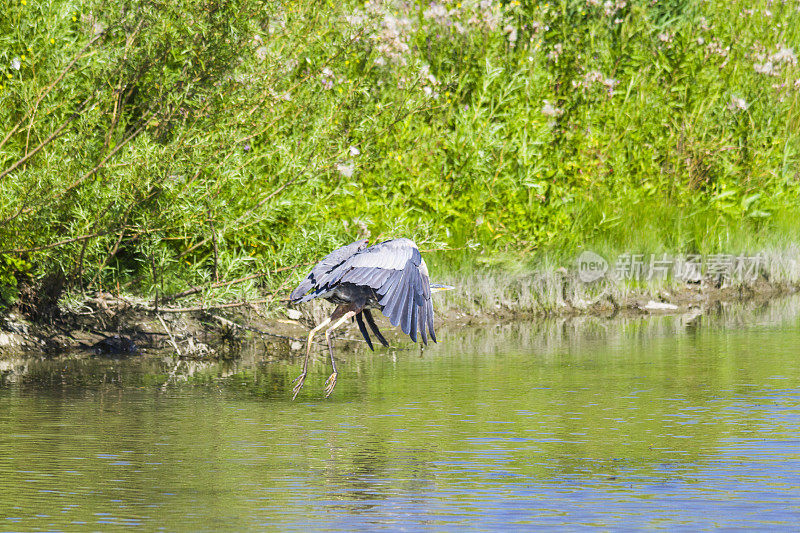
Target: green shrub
155, 145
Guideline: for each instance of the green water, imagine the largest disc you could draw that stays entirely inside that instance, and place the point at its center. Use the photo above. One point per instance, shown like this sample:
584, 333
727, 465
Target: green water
638, 423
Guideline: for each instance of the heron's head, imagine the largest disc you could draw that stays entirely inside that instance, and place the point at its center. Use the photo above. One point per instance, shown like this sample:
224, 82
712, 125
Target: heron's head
438, 287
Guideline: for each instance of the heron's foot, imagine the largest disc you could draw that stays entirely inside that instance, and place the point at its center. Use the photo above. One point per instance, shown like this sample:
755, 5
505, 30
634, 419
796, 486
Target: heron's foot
298, 381
330, 384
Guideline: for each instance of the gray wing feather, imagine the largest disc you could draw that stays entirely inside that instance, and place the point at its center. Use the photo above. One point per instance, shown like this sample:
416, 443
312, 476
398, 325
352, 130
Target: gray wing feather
421, 325
429, 312
393, 297
397, 272
405, 294
389, 254
407, 305
320, 274
413, 320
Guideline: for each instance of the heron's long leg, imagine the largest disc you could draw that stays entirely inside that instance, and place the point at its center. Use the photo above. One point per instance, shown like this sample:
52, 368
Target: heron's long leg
331, 382
302, 377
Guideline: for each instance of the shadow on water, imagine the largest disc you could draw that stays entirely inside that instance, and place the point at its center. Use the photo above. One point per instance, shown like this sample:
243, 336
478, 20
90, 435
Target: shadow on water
636, 422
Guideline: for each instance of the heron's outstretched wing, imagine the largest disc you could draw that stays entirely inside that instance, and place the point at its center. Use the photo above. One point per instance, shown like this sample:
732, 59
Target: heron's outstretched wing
315, 281
397, 272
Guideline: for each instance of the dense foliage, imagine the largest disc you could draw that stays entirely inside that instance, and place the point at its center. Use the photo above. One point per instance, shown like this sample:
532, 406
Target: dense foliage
152, 145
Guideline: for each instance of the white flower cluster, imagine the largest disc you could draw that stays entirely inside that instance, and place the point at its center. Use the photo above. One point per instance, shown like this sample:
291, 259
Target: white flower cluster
392, 40
716, 47
609, 8
428, 82
348, 168
390, 24
487, 16
770, 65
737, 104
484, 15
549, 110
784, 55
327, 78
556, 52
438, 14
595, 77
511, 30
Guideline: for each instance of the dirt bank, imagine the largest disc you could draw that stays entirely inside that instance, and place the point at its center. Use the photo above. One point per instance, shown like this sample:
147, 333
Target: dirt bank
108, 324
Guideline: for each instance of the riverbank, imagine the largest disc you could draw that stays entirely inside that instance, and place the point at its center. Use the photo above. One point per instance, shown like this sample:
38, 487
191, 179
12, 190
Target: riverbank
108, 324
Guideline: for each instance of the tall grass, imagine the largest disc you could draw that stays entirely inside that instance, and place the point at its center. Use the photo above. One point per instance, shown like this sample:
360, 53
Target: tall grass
152, 147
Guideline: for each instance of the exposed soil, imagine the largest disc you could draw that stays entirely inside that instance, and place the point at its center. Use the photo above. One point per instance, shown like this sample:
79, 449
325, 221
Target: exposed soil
105, 323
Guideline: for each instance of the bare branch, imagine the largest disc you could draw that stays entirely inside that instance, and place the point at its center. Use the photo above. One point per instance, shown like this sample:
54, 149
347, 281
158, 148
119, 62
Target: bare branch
199, 308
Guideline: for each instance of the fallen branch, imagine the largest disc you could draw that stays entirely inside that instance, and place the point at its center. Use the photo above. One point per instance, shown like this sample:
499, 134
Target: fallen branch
232, 324
171, 337
200, 308
195, 290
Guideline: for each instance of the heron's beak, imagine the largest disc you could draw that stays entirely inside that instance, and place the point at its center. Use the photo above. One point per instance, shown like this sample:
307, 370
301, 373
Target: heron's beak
438, 287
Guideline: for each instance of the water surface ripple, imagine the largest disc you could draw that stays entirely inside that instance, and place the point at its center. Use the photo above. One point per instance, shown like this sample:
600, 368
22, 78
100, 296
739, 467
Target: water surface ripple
668, 422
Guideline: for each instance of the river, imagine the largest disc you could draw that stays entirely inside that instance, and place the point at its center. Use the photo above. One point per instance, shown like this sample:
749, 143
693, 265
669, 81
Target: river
661, 422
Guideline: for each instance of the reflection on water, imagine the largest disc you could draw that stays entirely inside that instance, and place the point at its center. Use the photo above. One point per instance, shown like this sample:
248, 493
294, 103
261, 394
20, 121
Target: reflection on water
662, 422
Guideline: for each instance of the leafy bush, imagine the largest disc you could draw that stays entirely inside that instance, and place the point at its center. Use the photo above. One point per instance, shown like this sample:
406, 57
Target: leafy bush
11, 269
155, 145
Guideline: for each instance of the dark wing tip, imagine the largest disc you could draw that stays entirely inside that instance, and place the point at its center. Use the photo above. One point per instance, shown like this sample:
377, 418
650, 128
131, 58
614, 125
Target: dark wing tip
363, 329
300, 291
371, 321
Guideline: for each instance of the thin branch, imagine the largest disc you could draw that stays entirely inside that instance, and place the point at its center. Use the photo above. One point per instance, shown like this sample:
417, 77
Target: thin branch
9, 134
113, 251
243, 215
111, 154
78, 239
50, 87
45, 142
232, 324
297, 84
200, 307
195, 290
56, 244
79, 181
171, 337
216, 248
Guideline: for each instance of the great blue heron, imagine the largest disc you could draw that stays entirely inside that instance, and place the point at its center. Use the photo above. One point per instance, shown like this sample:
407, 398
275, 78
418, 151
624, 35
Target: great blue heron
390, 276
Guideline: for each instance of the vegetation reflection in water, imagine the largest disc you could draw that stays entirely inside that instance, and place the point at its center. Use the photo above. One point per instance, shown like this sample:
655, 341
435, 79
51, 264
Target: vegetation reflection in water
635, 422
